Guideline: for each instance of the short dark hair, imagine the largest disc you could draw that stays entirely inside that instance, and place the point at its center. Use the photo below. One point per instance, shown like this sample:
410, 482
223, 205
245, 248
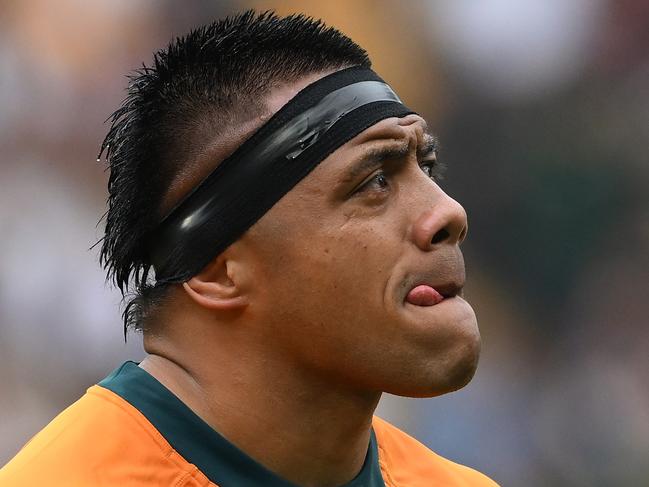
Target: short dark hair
176, 106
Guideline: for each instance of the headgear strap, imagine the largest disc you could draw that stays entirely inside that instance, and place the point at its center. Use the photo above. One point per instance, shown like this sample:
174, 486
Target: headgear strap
313, 124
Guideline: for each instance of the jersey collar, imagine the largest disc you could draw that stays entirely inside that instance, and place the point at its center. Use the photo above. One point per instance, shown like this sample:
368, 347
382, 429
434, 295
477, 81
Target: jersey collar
221, 461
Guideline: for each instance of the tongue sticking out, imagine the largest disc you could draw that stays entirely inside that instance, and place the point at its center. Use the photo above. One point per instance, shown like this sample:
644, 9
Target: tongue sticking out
424, 295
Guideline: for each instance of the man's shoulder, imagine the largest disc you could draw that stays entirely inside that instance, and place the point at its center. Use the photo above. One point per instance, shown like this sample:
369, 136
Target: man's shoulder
93, 442
406, 461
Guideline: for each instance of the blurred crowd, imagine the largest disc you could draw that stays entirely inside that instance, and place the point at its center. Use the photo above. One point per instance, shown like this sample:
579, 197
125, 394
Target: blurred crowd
542, 108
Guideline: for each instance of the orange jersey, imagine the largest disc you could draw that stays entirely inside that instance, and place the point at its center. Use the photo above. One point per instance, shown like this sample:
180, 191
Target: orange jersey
130, 431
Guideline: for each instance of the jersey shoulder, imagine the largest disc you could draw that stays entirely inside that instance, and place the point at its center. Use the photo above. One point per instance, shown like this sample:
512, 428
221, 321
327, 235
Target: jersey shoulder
99, 440
404, 461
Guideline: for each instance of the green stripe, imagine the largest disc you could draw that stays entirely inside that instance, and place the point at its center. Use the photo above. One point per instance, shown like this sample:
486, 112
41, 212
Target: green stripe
198, 443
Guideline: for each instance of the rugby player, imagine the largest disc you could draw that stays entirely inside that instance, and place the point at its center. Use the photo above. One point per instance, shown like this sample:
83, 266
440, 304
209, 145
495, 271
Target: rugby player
275, 222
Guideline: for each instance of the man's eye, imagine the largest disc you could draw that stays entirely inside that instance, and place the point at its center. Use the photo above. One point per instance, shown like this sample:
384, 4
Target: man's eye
380, 180
433, 169
377, 182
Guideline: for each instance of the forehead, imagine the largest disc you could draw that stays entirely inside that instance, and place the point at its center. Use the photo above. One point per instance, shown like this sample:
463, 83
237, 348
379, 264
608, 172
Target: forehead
396, 136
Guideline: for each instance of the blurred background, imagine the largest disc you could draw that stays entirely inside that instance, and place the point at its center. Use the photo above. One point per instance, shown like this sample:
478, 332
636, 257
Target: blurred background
542, 107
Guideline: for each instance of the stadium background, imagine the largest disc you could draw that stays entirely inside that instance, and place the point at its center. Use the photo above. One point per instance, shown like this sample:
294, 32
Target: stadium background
542, 107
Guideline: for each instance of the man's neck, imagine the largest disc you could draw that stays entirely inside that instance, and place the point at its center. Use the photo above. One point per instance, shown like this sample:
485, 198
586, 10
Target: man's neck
313, 434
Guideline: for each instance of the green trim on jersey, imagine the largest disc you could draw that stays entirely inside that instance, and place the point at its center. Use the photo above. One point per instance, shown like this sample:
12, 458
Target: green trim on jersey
221, 461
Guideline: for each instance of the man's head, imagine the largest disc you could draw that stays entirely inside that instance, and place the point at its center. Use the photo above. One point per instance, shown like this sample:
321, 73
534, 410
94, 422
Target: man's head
202, 96
340, 276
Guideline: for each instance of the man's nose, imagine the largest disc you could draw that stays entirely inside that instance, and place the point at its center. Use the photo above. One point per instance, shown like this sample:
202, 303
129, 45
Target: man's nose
444, 221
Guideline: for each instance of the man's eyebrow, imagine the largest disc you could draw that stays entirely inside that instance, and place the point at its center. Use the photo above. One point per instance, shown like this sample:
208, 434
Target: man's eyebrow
376, 156
430, 146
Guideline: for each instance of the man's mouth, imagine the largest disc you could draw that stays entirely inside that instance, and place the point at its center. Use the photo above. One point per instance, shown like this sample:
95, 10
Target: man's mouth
425, 295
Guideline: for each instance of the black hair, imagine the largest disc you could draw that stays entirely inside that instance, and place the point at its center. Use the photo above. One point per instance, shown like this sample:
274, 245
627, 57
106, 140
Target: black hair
176, 106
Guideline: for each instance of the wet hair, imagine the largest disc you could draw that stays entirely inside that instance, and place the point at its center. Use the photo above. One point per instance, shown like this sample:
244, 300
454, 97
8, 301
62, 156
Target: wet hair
179, 104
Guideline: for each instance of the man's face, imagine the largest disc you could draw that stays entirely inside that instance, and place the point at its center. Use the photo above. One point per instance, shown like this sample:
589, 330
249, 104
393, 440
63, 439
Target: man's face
335, 259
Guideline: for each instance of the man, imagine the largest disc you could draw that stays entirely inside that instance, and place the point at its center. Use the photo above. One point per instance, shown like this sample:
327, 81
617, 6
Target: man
305, 262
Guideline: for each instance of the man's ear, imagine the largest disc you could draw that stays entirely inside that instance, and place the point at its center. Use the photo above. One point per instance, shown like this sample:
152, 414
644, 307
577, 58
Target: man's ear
216, 286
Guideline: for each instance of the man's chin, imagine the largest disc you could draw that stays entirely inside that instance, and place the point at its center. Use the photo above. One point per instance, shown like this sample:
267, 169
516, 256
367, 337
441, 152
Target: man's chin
460, 375
434, 382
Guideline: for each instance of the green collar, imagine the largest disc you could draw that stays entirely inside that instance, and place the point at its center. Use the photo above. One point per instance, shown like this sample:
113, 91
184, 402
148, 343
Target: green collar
221, 461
